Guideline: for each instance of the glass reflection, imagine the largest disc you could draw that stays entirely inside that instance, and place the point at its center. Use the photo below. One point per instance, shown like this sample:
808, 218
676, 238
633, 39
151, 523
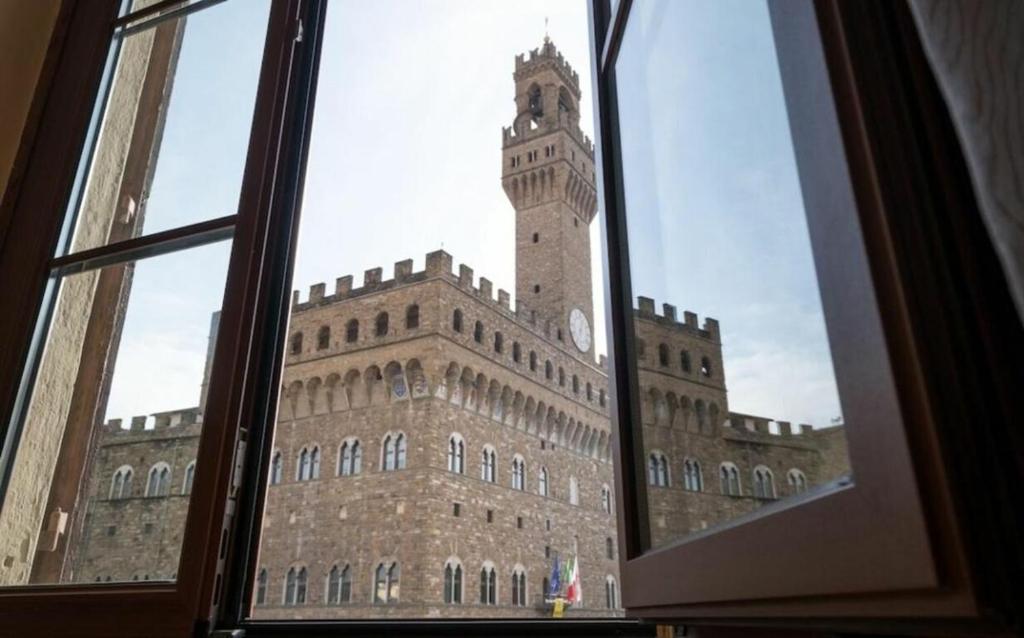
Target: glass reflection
740, 407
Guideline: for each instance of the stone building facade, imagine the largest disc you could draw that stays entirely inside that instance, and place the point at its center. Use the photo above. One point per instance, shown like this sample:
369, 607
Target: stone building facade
430, 434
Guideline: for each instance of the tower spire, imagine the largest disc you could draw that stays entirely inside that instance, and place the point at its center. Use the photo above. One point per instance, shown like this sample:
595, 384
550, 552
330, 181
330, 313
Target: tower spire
546, 38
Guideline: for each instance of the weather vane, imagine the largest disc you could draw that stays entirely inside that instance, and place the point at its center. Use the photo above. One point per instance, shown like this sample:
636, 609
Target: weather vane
546, 38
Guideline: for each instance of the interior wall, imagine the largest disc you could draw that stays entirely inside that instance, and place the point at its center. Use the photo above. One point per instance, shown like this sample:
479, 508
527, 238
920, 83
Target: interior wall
25, 29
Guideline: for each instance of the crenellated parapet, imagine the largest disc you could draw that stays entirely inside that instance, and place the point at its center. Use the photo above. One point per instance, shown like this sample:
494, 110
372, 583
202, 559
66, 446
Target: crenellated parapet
510, 137
547, 56
438, 266
183, 422
757, 427
668, 318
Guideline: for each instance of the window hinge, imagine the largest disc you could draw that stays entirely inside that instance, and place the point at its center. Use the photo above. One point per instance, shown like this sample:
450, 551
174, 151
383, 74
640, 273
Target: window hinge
298, 29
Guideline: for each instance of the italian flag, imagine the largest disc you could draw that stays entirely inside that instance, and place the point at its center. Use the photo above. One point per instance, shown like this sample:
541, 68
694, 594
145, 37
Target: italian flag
573, 591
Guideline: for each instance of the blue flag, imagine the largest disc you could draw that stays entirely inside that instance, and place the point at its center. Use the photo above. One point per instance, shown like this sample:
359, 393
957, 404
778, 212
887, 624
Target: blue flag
556, 576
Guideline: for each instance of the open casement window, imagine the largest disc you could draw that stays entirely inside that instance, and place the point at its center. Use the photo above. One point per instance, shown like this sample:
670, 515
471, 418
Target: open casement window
741, 143
149, 245
134, 260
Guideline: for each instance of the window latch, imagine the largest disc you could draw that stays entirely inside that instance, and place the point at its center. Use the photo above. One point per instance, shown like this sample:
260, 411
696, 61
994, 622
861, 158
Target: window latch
54, 530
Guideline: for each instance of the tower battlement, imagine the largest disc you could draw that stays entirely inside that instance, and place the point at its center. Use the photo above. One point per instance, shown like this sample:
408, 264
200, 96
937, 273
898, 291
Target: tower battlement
184, 421
646, 310
749, 424
509, 137
439, 265
547, 56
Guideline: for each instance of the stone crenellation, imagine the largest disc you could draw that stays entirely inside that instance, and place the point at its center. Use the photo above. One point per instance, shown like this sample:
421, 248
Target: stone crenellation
548, 55
438, 265
186, 421
668, 317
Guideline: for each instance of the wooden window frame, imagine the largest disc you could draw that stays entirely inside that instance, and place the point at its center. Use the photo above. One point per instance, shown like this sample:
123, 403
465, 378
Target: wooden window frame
215, 583
848, 570
33, 213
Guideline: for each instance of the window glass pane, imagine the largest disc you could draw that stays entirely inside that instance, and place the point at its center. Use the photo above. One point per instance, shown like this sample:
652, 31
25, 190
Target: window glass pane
173, 137
739, 399
103, 470
451, 144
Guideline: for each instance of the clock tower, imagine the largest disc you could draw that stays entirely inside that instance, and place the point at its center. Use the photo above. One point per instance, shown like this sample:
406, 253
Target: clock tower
548, 175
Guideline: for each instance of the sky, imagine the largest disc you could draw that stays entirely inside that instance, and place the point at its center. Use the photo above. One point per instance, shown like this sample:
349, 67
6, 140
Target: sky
405, 159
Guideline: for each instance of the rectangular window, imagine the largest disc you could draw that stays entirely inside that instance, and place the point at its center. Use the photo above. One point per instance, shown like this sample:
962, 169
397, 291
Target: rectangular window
743, 373
451, 394
111, 412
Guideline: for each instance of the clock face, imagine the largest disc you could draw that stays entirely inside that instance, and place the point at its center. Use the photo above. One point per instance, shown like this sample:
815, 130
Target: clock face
579, 328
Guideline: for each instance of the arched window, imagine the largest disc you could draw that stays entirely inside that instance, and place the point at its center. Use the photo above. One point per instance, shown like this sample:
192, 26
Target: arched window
702, 416
729, 478
542, 486
276, 468
797, 481
519, 586
352, 331
518, 473
488, 584
590, 392
609, 548
575, 384
499, 342
601, 398
121, 483
339, 585
478, 332
350, 458
663, 355
303, 467
705, 366
412, 317
488, 464
641, 348
380, 325
452, 582
385, 583
606, 499
684, 361
323, 338
190, 474
261, 587
393, 452
692, 477
764, 482
611, 593
533, 361
561, 376
159, 483
574, 491
457, 320
517, 352
549, 370
314, 457
296, 345
456, 454
295, 586
657, 470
